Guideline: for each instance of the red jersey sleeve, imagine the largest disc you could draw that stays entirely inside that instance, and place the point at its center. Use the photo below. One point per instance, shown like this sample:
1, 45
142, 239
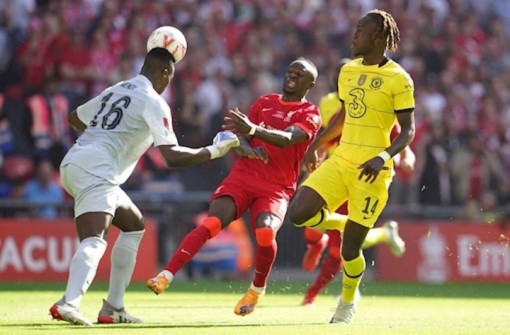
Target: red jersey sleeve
310, 121
254, 112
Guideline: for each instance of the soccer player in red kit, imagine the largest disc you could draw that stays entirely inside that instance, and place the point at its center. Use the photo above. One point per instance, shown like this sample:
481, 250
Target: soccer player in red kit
278, 129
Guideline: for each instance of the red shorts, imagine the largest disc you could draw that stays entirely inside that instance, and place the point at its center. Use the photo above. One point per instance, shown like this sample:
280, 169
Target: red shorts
249, 192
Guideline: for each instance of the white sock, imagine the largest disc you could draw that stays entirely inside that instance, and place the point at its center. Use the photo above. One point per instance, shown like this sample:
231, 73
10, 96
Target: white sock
168, 275
257, 289
123, 263
83, 269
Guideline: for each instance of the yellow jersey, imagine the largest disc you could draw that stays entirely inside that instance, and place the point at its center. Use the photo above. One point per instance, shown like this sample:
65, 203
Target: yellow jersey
329, 106
372, 96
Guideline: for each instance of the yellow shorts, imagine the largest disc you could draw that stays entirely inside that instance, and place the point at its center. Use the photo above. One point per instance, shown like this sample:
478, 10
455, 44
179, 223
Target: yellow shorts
336, 183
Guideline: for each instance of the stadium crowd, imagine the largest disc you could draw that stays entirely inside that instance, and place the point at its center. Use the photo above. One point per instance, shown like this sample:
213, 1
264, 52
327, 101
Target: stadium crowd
56, 54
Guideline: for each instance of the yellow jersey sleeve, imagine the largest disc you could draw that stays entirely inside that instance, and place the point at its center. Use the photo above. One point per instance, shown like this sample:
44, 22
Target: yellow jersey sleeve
403, 89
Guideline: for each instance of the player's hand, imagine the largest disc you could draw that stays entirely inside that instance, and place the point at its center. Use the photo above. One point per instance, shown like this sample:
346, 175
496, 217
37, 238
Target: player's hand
407, 161
253, 153
222, 143
237, 121
310, 160
370, 169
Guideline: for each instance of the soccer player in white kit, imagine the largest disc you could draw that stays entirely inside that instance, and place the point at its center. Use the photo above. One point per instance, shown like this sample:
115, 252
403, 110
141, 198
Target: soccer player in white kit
118, 127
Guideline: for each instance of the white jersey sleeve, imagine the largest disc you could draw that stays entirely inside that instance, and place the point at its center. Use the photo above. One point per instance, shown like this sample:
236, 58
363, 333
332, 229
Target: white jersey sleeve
159, 120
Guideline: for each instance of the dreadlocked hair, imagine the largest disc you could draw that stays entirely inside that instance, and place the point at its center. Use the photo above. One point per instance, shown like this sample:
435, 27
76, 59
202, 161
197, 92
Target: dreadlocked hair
387, 26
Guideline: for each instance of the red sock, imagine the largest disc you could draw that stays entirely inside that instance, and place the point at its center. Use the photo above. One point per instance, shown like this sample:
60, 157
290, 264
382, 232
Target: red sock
312, 236
264, 259
328, 271
189, 246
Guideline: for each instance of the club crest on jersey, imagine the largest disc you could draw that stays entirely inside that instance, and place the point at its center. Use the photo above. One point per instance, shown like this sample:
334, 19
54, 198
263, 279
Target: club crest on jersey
376, 83
289, 115
166, 123
362, 79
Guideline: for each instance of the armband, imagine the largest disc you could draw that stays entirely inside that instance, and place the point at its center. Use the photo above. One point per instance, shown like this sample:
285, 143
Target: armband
214, 151
384, 155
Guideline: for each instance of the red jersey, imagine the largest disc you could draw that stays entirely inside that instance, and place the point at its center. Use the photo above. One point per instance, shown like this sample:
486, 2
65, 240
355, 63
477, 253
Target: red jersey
283, 166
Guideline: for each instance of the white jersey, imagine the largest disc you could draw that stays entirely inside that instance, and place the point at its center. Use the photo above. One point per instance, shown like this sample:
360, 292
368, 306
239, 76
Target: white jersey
122, 123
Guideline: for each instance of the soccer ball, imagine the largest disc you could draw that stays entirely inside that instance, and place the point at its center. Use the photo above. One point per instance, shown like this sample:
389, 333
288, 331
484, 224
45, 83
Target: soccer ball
169, 38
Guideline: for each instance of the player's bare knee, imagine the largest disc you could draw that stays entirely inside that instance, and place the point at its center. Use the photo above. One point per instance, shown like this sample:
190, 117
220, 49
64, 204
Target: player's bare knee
265, 236
349, 250
139, 224
131, 224
298, 215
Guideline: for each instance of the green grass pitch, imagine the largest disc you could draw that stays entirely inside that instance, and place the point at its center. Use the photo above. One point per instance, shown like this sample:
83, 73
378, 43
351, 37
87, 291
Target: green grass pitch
193, 308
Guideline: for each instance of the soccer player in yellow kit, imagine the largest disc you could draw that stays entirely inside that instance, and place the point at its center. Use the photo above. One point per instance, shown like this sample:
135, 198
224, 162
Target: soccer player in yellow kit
376, 93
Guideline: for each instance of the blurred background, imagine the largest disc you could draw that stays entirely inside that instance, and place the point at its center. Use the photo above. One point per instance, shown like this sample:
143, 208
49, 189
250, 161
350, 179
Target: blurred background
453, 209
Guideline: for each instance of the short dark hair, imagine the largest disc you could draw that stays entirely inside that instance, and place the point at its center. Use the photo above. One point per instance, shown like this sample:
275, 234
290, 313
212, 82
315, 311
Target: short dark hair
157, 58
160, 54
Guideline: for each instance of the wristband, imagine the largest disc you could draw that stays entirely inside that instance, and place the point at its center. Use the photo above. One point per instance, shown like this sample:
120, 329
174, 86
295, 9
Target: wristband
384, 155
253, 130
214, 151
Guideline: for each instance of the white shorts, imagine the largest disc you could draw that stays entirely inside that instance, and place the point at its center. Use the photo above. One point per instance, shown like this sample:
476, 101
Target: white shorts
91, 193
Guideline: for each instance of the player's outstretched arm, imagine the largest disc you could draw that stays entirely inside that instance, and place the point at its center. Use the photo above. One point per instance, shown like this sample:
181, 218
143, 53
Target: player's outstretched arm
407, 130
405, 160
332, 131
245, 150
239, 122
176, 156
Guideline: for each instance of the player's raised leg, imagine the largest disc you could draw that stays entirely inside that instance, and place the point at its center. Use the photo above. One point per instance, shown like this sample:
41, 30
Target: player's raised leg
387, 234
189, 246
221, 212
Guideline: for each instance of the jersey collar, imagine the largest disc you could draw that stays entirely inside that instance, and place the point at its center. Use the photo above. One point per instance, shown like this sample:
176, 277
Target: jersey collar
146, 82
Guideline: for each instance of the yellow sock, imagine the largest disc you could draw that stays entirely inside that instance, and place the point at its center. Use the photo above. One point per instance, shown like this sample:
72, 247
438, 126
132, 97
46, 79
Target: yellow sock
324, 220
375, 236
353, 271
336, 221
